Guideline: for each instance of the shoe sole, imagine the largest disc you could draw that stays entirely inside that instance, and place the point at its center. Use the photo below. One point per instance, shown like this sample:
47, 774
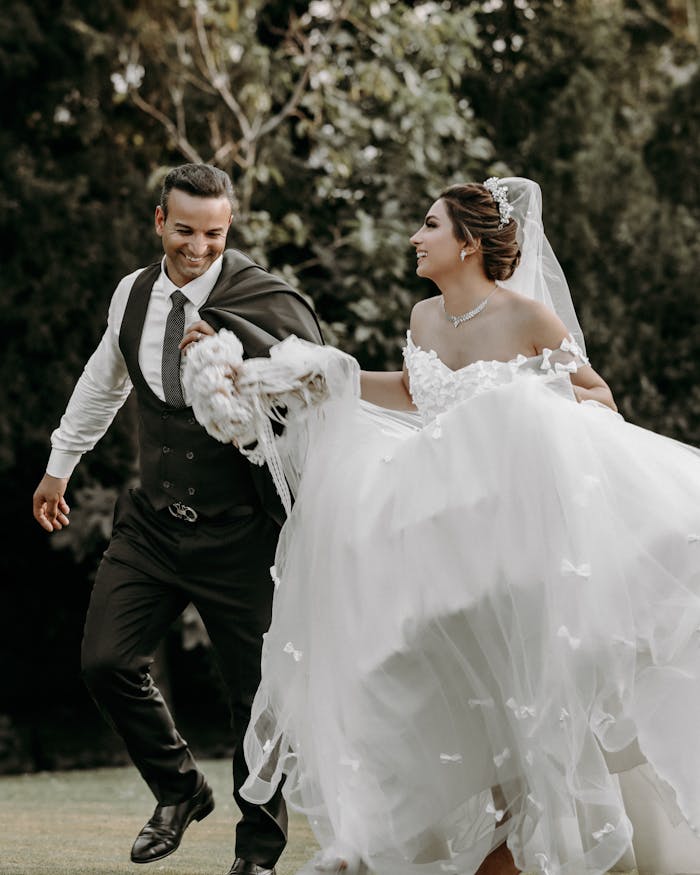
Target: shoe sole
203, 812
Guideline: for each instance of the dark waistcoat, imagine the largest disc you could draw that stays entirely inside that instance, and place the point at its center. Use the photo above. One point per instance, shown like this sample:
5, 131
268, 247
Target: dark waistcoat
178, 459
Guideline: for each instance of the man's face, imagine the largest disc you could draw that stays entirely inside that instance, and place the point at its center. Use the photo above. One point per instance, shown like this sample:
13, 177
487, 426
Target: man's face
193, 235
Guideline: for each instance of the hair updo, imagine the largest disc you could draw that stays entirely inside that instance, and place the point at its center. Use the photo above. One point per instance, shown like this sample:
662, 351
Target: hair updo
475, 217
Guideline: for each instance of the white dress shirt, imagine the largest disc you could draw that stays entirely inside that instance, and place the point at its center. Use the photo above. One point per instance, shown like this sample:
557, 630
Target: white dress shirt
105, 384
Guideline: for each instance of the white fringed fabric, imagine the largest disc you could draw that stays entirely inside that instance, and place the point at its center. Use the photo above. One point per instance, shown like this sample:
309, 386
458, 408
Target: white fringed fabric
236, 402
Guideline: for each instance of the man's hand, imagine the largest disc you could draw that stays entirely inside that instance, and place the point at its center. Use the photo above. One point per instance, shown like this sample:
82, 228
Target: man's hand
50, 507
196, 332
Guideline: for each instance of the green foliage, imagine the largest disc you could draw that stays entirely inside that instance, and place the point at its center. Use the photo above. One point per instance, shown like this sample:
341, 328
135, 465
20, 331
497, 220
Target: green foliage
340, 122
598, 102
68, 192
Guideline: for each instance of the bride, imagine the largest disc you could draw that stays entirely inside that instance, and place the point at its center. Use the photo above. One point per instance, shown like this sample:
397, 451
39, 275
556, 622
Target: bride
488, 594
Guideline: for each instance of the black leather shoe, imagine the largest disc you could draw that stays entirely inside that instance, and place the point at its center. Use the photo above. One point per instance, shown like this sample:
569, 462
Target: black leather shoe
163, 832
245, 867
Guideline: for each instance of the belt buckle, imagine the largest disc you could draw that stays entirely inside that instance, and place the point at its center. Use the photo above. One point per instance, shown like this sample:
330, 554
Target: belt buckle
183, 512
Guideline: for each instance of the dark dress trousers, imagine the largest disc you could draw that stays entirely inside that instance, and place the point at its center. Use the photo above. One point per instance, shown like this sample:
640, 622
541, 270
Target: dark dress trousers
156, 564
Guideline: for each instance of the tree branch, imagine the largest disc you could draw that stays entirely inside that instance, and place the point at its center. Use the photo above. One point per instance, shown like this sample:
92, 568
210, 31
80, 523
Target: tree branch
291, 105
185, 61
338, 243
181, 142
218, 80
181, 120
223, 152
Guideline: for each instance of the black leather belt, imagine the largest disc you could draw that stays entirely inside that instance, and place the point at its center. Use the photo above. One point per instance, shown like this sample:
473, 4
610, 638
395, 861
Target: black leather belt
187, 514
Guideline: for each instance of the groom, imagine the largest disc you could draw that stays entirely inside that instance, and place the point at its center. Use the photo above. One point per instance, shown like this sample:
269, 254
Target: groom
203, 524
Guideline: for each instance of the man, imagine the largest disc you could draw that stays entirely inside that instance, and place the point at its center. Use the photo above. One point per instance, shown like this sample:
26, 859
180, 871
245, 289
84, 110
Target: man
202, 526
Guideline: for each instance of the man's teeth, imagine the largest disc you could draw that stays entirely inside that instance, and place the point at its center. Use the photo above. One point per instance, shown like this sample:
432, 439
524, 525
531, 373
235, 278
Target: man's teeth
421, 253
189, 258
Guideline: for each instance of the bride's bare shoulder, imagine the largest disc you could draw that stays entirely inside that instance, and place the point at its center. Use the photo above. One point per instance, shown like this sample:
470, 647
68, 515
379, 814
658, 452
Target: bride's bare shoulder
524, 309
515, 301
532, 324
424, 310
426, 305
424, 319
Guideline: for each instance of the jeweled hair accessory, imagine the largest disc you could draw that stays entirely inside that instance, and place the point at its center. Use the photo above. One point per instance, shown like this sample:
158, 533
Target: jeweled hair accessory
500, 195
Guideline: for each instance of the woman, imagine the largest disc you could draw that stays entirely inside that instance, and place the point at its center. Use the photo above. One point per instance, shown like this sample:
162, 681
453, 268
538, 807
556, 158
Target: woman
485, 606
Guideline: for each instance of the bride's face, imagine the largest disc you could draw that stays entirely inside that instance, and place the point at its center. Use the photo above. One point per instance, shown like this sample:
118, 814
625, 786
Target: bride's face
437, 248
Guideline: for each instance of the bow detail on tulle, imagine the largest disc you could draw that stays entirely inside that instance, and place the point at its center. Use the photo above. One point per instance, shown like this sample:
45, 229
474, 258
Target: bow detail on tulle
520, 711
480, 703
501, 757
568, 568
498, 813
350, 763
601, 833
450, 757
563, 632
290, 648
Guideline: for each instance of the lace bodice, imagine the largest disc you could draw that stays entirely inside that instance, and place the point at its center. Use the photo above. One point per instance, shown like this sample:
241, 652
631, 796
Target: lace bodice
436, 388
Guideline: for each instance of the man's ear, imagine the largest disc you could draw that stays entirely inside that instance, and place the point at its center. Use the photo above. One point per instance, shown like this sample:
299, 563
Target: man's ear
159, 220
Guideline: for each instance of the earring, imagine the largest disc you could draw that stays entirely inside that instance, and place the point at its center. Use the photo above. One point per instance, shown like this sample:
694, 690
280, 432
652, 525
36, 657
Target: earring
462, 254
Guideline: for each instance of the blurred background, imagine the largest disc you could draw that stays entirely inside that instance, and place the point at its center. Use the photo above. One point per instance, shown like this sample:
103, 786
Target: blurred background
339, 122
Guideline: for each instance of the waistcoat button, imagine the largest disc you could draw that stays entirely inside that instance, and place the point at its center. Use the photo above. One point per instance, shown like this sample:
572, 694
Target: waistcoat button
166, 449
167, 484
189, 454
191, 490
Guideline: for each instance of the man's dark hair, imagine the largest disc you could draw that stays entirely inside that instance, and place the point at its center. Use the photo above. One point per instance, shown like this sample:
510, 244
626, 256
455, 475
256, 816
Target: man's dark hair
200, 180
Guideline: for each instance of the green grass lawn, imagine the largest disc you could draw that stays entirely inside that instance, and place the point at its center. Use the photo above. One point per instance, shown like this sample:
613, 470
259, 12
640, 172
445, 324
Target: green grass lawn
84, 823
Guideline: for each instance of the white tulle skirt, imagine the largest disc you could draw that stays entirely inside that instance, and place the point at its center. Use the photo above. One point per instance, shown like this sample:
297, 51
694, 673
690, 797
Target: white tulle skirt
477, 624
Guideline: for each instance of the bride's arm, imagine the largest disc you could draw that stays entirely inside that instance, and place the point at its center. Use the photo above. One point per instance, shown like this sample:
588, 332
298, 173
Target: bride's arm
587, 383
392, 389
387, 389
590, 386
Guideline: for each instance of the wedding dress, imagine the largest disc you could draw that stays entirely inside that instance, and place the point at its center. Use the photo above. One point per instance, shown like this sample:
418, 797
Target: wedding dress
478, 609
484, 610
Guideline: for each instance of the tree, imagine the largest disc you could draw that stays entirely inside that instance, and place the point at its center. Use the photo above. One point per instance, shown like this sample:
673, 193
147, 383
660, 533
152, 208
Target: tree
582, 96
68, 189
339, 122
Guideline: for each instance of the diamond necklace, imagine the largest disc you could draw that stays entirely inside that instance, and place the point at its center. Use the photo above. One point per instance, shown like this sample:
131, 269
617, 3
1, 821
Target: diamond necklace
463, 317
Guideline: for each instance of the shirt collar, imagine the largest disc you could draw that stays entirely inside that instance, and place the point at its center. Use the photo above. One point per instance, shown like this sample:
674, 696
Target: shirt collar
196, 291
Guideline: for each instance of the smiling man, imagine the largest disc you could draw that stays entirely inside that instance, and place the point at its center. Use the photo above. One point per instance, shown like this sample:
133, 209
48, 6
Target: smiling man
193, 229
203, 524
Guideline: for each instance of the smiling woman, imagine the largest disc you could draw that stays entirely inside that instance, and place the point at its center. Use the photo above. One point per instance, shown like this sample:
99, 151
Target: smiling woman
469, 246
463, 221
